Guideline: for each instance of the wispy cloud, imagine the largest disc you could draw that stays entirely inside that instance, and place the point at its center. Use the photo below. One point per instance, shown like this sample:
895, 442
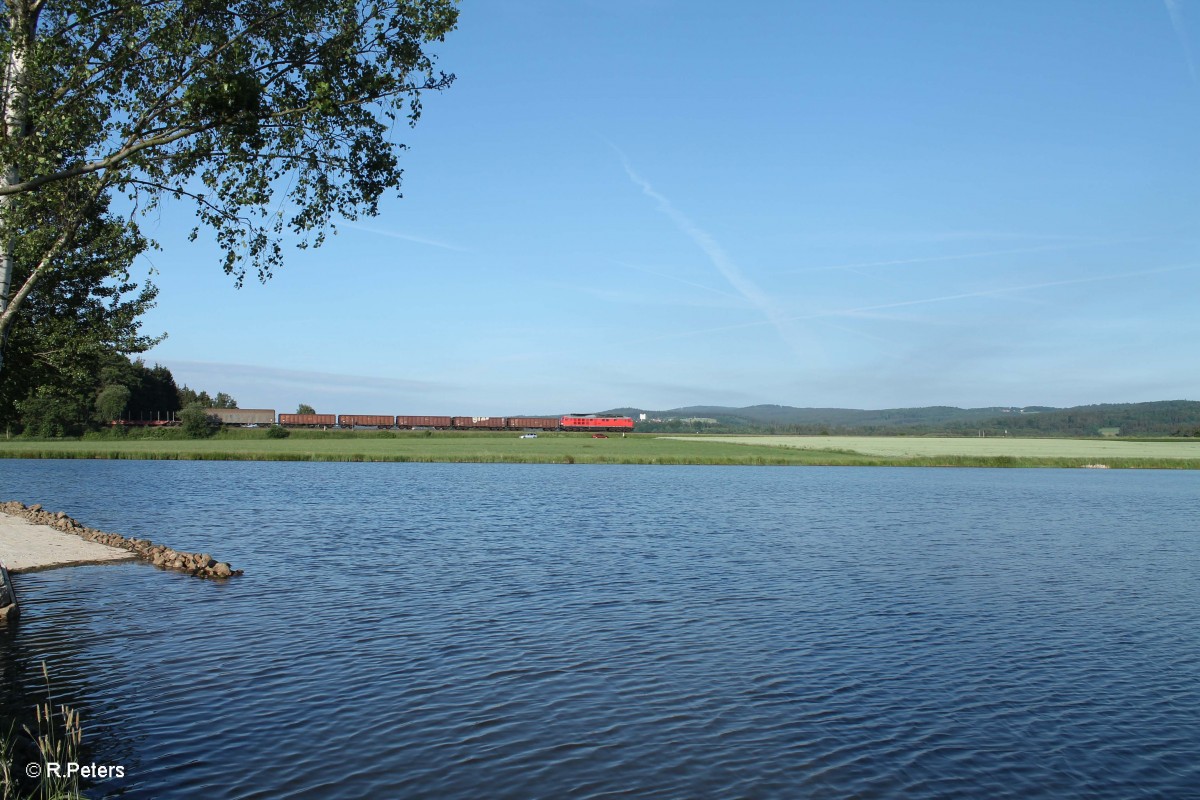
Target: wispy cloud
632, 297
407, 237
955, 257
208, 374
677, 279
665, 395
996, 238
999, 291
1175, 10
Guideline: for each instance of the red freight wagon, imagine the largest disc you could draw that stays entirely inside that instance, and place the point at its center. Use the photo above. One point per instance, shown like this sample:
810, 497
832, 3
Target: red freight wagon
540, 423
479, 422
590, 422
422, 422
307, 420
366, 420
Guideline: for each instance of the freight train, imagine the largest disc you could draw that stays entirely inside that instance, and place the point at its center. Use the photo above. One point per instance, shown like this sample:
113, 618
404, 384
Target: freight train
266, 416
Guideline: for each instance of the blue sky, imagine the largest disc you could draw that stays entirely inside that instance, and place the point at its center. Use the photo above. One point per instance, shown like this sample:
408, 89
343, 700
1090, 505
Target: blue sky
658, 203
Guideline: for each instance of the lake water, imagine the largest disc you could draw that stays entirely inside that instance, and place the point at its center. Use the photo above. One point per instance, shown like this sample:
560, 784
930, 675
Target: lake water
549, 631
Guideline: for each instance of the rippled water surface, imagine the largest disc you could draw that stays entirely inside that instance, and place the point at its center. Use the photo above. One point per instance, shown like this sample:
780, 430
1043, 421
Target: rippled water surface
459, 630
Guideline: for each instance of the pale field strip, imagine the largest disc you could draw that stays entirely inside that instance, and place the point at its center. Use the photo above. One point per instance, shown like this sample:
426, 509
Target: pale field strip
901, 446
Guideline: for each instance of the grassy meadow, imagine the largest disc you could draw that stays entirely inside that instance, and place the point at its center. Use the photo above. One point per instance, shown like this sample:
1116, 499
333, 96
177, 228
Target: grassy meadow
438, 446
575, 448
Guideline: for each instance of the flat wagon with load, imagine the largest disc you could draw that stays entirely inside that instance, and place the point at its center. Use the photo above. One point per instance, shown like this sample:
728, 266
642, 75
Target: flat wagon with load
243, 416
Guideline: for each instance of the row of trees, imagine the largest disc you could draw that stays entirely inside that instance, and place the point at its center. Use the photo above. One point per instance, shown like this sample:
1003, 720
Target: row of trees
67, 355
190, 397
1163, 418
90, 391
1159, 418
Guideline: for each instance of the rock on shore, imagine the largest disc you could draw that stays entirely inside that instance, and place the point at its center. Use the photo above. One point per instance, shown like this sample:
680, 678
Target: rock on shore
199, 564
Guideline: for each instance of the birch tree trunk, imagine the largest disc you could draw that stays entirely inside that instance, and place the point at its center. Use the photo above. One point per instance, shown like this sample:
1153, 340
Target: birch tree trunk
14, 84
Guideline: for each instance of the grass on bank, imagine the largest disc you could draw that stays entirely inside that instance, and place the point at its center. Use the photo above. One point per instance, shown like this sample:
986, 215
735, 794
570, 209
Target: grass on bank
575, 448
57, 740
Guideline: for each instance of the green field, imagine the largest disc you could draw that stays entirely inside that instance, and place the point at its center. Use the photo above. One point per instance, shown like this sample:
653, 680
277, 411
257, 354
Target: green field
440, 446
568, 448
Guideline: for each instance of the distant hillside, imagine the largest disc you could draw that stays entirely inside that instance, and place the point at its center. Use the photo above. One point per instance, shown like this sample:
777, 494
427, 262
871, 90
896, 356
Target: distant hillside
1163, 418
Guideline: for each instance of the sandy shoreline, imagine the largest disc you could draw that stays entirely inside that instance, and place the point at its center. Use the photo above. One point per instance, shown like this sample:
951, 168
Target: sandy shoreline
26, 546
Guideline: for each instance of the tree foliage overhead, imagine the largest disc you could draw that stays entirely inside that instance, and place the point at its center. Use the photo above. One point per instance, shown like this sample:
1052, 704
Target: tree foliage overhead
75, 328
221, 104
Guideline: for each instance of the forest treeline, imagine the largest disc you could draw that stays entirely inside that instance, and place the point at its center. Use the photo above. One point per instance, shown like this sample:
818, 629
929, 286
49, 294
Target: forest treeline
117, 388
1152, 419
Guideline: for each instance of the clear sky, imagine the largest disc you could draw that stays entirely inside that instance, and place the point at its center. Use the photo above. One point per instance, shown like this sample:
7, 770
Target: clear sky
657, 203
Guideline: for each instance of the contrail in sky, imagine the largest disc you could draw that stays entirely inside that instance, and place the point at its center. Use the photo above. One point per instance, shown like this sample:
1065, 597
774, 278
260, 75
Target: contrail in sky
407, 238
716, 254
1175, 9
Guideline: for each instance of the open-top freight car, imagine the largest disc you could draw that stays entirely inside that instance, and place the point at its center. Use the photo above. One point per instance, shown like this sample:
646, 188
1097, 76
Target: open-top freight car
308, 420
366, 421
480, 423
415, 422
571, 422
533, 423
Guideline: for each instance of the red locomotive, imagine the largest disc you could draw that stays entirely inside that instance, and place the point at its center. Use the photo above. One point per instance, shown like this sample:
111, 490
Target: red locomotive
591, 422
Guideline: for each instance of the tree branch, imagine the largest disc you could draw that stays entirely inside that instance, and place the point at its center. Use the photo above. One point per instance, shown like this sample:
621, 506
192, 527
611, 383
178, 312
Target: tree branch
197, 198
60, 242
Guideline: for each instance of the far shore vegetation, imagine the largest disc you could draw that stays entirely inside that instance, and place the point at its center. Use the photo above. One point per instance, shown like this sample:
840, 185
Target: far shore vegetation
574, 448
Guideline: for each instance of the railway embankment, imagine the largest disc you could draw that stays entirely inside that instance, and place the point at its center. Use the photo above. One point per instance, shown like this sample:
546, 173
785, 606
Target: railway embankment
32, 538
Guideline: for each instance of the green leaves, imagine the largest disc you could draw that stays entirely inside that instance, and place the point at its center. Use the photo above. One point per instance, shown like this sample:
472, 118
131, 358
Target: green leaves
240, 108
270, 117
111, 402
79, 315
